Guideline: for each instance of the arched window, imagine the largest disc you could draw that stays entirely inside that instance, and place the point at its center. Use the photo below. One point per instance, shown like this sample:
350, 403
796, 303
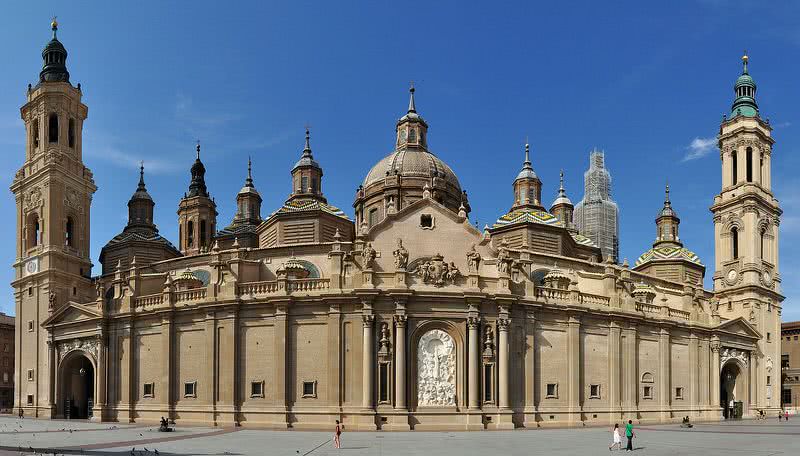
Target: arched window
734, 168
52, 128
735, 242
68, 233
762, 246
412, 135
761, 169
749, 157
71, 133
304, 184
180, 234
34, 237
35, 133
190, 234
202, 233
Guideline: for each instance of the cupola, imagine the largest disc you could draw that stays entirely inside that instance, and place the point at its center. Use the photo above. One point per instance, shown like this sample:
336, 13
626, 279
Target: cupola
54, 56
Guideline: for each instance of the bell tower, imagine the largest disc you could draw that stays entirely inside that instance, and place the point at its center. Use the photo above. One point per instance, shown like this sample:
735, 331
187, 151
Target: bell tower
197, 213
746, 218
53, 190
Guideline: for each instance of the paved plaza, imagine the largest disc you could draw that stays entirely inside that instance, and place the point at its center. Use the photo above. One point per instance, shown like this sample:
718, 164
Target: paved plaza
25, 437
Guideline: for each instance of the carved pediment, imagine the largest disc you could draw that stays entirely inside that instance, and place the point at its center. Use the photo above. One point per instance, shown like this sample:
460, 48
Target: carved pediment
739, 327
73, 312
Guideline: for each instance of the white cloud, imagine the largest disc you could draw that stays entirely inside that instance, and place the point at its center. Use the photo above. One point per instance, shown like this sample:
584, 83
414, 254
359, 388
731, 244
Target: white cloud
782, 125
699, 148
126, 160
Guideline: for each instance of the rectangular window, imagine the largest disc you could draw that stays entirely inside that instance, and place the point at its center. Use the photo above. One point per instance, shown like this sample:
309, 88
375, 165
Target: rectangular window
426, 221
769, 337
487, 383
310, 389
190, 389
149, 389
552, 390
769, 380
679, 392
30, 399
786, 396
383, 383
30, 325
5, 377
648, 392
30, 375
784, 361
373, 216
257, 389
5, 348
594, 391
304, 184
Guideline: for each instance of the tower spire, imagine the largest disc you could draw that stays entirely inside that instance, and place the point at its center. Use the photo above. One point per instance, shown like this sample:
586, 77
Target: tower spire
745, 58
249, 181
412, 106
198, 149
141, 176
54, 26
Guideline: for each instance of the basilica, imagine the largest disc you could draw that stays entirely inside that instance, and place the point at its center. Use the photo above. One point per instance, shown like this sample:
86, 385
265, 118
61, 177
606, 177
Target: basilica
401, 316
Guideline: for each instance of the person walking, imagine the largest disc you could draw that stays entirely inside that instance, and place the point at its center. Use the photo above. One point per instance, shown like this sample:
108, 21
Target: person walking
780, 416
630, 435
337, 436
786, 416
617, 438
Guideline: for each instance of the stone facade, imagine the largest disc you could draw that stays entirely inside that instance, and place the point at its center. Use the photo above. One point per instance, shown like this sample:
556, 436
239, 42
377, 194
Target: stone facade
790, 365
406, 318
7, 328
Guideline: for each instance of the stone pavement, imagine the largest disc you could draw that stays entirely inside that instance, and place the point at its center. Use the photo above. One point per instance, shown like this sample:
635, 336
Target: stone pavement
757, 438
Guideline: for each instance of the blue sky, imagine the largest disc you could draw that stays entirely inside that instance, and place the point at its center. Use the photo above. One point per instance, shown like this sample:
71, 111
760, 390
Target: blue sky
647, 82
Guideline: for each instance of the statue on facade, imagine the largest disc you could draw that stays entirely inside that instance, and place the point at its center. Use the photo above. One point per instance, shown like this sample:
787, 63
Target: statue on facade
437, 272
504, 259
488, 343
51, 300
368, 254
473, 259
400, 255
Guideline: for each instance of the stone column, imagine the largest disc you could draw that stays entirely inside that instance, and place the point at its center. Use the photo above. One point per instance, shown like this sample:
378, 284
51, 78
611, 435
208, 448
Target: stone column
664, 380
100, 405
703, 368
166, 366
630, 355
51, 361
473, 362
400, 362
714, 374
752, 366
281, 348
502, 361
368, 379
694, 372
574, 367
614, 371
334, 354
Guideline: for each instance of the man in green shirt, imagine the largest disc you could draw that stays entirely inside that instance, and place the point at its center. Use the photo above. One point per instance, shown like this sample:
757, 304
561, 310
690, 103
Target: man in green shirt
630, 435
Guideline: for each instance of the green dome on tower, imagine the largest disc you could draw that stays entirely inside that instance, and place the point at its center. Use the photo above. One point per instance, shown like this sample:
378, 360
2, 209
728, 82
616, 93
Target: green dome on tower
745, 89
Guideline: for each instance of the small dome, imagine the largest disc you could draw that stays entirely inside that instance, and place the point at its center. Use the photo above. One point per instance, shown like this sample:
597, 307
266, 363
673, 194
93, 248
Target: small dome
411, 163
527, 173
745, 79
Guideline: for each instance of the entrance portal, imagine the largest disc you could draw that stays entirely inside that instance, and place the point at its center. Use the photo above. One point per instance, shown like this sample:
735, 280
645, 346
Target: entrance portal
732, 391
77, 387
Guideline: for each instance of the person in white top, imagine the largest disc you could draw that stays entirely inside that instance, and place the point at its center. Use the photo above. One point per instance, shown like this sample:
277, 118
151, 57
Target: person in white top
617, 438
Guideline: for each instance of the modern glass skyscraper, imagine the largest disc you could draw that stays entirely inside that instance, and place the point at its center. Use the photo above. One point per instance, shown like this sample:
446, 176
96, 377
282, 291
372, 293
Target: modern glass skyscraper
597, 215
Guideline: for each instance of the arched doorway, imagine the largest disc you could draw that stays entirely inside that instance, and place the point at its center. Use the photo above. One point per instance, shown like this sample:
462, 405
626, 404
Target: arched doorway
77, 386
732, 390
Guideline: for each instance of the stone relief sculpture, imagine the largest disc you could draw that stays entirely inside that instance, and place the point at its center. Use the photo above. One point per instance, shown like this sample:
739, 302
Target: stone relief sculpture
488, 343
51, 300
473, 259
368, 254
504, 259
436, 370
731, 353
437, 272
87, 345
400, 255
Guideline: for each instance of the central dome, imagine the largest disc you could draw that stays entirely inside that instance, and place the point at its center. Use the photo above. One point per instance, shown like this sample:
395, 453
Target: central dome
411, 163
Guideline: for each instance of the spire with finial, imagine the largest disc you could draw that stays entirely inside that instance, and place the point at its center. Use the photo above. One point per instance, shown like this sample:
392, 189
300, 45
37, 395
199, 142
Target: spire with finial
666, 195
249, 181
412, 107
197, 186
527, 186
54, 57
745, 58
745, 90
308, 140
141, 176
198, 149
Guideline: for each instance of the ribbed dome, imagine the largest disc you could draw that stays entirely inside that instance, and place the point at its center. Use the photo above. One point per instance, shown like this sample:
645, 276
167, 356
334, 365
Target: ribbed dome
411, 163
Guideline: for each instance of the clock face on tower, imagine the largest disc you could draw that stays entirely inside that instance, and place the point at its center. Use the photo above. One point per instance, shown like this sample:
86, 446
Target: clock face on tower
32, 266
